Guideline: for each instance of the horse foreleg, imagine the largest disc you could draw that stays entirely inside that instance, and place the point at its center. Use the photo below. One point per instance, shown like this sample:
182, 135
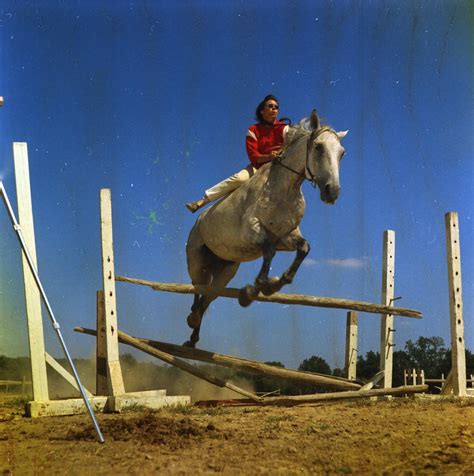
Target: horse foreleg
249, 293
194, 317
302, 249
199, 307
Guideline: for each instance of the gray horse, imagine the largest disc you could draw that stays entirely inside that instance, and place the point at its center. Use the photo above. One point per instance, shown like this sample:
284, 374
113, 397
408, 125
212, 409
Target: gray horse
261, 217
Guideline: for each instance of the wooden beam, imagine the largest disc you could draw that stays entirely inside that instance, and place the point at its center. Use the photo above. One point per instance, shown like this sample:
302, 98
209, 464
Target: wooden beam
281, 298
376, 379
242, 364
458, 349
55, 365
101, 382
114, 371
32, 294
323, 397
170, 359
387, 326
351, 346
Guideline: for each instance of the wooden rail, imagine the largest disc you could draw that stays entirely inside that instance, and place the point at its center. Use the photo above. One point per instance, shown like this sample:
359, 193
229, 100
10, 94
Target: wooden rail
145, 346
241, 364
281, 298
324, 397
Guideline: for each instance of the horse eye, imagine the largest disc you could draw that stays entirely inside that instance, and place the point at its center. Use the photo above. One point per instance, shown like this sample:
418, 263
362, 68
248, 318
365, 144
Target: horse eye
318, 146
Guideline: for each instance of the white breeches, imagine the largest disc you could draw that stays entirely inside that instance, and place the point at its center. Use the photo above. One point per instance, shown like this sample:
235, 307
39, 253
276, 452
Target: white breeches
230, 184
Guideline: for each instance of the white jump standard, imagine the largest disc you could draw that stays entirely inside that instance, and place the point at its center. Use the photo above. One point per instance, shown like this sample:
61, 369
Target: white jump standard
55, 323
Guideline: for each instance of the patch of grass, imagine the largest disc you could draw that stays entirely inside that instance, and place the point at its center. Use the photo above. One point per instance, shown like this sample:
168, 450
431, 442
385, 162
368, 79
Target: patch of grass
19, 402
137, 407
344, 470
215, 411
273, 422
316, 428
181, 410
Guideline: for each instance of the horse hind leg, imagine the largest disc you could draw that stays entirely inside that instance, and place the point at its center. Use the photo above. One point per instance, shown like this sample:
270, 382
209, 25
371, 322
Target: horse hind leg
222, 272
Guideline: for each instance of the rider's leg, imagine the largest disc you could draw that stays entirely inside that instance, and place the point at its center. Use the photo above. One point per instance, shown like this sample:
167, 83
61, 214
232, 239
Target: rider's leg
222, 188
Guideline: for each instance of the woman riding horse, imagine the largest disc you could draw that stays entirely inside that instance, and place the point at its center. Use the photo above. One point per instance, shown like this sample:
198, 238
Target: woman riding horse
262, 216
263, 142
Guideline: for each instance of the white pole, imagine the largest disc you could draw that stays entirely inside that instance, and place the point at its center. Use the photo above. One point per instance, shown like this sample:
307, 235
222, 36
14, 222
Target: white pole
32, 296
351, 345
458, 352
388, 290
114, 370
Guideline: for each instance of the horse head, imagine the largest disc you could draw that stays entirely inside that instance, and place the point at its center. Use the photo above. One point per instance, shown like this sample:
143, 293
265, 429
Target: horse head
323, 156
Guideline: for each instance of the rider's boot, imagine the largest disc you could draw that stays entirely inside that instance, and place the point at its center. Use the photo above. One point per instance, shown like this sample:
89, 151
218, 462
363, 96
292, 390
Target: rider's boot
195, 206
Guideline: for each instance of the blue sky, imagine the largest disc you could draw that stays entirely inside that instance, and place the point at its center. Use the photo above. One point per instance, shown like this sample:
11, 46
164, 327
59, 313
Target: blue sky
152, 99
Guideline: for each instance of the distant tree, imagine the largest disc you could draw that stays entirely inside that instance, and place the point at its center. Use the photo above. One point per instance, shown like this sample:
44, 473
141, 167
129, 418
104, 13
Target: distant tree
429, 354
337, 372
401, 362
128, 360
315, 364
469, 363
367, 367
268, 383
275, 364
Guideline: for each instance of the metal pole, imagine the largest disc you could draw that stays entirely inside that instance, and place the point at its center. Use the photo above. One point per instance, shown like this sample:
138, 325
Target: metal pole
55, 323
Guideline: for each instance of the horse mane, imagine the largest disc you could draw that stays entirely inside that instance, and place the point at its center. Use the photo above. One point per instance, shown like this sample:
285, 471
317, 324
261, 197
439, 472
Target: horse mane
300, 130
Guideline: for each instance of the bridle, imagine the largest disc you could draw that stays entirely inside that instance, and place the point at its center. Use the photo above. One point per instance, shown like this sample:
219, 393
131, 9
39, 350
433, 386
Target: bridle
307, 175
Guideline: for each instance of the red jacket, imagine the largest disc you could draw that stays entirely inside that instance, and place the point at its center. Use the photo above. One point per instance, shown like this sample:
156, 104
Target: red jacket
261, 138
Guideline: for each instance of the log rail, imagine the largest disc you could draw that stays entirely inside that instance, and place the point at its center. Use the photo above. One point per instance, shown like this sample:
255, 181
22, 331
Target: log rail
282, 298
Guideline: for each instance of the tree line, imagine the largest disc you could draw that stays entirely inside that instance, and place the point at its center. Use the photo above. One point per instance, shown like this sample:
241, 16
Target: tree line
426, 353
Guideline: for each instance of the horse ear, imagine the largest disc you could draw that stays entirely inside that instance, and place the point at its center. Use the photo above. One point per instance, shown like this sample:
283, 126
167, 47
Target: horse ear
342, 134
314, 121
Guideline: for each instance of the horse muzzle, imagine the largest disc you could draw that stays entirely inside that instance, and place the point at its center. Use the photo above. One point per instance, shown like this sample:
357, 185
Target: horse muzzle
329, 193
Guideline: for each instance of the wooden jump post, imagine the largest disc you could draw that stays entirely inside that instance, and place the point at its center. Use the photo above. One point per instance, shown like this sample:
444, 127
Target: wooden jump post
41, 404
456, 380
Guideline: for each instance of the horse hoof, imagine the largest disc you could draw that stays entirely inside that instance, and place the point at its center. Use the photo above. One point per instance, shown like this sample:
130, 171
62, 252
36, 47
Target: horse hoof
272, 285
190, 344
193, 320
246, 295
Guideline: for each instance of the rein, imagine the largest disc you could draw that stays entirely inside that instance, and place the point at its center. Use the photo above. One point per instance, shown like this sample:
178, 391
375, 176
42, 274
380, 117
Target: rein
312, 178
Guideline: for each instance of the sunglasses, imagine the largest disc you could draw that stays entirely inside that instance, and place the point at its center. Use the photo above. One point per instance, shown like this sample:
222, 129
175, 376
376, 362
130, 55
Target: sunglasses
272, 106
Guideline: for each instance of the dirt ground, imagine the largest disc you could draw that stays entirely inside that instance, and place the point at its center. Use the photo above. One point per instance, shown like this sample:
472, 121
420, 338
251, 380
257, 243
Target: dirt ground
401, 436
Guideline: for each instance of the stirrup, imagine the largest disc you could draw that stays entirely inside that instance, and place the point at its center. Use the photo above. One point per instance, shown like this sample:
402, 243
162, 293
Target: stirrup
193, 207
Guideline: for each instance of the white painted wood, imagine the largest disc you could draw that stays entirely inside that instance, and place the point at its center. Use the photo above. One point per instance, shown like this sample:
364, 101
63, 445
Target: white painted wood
32, 295
101, 348
71, 406
114, 371
387, 325
55, 365
447, 388
378, 377
458, 355
351, 345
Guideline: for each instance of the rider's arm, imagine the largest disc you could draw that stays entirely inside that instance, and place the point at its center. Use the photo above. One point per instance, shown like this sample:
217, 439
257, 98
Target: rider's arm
255, 156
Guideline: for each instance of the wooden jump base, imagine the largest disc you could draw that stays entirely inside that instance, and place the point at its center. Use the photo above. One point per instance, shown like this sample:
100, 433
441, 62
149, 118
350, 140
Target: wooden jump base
145, 346
235, 362
282, 298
